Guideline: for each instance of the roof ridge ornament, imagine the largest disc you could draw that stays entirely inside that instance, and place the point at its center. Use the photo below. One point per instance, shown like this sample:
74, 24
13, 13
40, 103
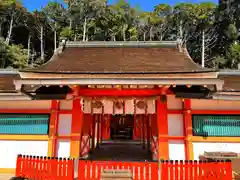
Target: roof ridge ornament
109, 44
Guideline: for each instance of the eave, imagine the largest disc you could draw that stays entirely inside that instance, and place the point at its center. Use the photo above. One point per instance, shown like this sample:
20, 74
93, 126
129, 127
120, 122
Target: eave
17, 96
119, 81
226, 97
44, 75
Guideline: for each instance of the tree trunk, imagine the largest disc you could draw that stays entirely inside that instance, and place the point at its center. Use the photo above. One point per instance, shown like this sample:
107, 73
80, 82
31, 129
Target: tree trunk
70, 24
1, 29
10, 30
55, 40
42, 48
29, 46
161, 33
113, 38
180, 30
161, 38
32, 57
84, 29
55, 36
151, 33
75, 37
203, 48
124, 35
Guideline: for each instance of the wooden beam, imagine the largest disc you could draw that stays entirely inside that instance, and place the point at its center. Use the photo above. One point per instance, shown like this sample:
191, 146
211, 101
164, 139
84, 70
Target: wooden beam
214, 112
26, 111
119, 81
121, 92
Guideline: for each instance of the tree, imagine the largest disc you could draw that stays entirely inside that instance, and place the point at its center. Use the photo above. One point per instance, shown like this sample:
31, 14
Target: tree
210, 33
12, 55
164, 13
16, 15
55, 13
85, 14
40, 26
184, 21
205, 20
233, 56
16, 56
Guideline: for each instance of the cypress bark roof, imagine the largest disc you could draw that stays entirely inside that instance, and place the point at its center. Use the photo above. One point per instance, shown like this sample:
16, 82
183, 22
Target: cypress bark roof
231, 83
7, 81
121, 58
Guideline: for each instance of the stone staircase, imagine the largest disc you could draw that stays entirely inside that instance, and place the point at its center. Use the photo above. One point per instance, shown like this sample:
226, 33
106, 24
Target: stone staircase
121, 151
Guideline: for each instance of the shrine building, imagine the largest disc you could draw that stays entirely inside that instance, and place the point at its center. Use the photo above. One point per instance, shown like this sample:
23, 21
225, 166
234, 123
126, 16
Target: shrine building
94, 93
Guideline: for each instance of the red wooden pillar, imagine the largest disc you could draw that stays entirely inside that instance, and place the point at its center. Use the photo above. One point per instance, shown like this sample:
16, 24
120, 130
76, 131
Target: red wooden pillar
101, 128
102, 124
162, 124
93, 127
98, 129
108, 126
143, 130
147, 125
53, 130
148, 133
77, 123
134, 121
187, 117
93, 130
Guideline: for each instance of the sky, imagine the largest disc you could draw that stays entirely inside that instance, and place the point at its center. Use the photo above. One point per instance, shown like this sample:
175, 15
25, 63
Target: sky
146, 5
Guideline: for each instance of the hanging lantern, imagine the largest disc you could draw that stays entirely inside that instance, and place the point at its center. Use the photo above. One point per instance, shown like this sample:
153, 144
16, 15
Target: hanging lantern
141, 105
97, 104
119, 104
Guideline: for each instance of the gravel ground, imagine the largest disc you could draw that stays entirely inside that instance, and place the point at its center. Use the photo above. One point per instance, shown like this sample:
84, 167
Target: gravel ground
6, 176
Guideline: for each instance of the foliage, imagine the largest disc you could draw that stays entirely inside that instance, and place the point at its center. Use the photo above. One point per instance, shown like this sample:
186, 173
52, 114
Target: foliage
16, 55
12, 55
233, 55
89, 20
66, 33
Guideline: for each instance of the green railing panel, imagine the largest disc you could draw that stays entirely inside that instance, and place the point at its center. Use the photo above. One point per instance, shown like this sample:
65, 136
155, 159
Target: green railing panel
24, 124
216, 125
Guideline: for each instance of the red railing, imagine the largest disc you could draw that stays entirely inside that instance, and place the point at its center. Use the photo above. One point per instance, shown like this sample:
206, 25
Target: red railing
36, 168
91, 170
45, 168
194, 170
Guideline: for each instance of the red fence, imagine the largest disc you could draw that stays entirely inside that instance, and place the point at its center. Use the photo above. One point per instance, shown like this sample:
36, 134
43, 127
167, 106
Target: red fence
39, 168
36, 168
91, 170
193, 170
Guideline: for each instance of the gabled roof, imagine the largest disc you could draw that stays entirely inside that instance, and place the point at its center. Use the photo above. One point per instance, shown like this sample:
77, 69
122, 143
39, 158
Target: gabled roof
231, 80
7, 78
121, 58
